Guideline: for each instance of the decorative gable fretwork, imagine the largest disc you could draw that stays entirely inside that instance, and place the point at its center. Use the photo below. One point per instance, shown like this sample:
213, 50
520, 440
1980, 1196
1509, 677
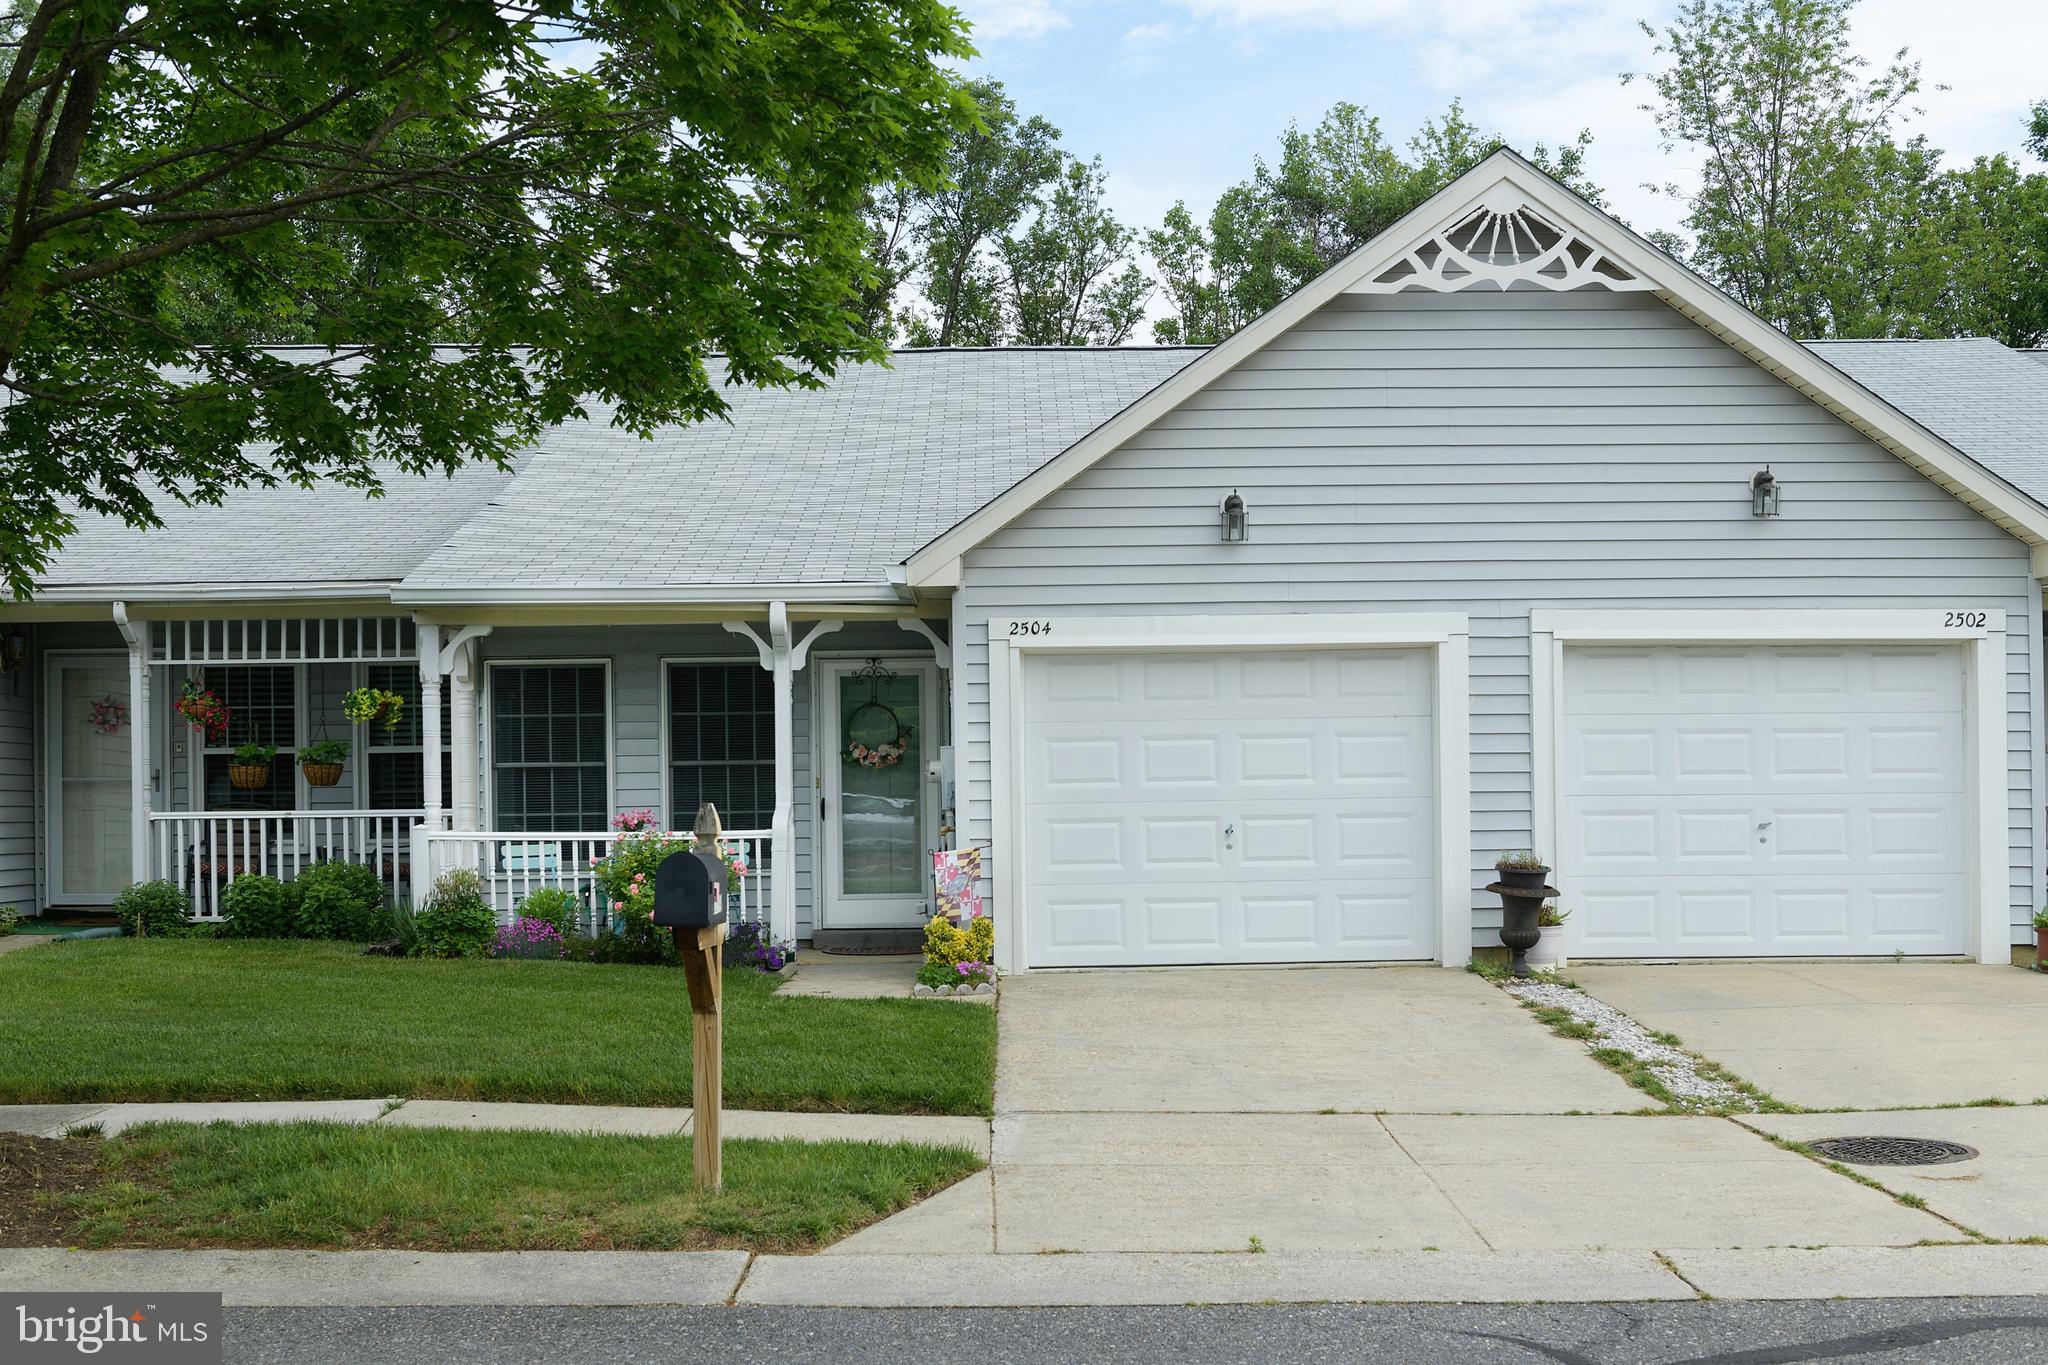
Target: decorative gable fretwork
1503, 244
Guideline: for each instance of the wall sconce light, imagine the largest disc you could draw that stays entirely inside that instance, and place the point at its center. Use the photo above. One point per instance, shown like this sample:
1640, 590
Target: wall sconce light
1763, 493
1237, 522
14, 654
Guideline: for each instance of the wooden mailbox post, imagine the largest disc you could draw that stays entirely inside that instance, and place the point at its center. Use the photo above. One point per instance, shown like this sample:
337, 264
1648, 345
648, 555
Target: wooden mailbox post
689, 898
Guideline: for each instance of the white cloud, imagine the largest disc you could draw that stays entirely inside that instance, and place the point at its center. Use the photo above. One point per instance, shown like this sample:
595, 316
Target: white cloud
1011, 18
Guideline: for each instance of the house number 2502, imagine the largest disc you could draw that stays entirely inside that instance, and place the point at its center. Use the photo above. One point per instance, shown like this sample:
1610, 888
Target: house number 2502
1963, 620
1030, 628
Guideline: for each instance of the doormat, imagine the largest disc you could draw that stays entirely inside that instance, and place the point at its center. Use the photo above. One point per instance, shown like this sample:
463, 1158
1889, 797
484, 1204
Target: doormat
871, 950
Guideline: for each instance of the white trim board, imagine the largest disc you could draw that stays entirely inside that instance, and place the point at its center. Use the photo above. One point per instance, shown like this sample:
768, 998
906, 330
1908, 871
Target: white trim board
1981, 634
937, 565
1446, 634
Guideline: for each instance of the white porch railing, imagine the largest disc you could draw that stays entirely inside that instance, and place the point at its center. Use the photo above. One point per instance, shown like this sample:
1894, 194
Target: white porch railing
515, 864
200, 852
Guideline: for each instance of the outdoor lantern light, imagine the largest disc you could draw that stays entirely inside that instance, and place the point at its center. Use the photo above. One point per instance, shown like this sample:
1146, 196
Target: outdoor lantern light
1763, 493
14, 653
1237, 523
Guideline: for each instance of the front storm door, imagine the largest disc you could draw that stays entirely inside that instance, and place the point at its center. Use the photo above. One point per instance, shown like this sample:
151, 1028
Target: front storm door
876, 719
89, 792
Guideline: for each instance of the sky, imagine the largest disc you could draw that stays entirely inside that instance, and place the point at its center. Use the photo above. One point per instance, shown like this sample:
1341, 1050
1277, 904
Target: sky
1178, 96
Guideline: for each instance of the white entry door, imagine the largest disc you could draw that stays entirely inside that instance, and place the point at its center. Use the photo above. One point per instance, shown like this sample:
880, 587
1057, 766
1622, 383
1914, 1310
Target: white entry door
1264, 806
1748, 801
879, 810
88, 774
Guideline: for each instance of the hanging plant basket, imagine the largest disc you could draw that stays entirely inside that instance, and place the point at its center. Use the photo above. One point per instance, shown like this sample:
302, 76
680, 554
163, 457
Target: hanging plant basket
321, 761
321, 774
373, 706
202, 710
249, 776
874, 751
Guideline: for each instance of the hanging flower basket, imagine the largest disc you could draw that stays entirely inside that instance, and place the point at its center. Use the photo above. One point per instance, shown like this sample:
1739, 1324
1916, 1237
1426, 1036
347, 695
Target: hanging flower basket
373, 706
203, 711
321, 762
249, 769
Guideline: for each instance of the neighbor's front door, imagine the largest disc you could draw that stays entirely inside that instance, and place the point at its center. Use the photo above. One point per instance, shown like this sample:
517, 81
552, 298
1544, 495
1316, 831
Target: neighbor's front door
878, 812
88, 773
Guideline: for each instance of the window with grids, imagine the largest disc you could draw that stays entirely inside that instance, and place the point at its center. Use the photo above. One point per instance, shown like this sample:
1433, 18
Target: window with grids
392, 771
262, 702
548, 765
721, 744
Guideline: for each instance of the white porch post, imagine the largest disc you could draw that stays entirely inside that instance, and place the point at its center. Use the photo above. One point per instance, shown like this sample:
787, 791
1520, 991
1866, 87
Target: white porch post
138, 742
782, 886
430, 726
463, 756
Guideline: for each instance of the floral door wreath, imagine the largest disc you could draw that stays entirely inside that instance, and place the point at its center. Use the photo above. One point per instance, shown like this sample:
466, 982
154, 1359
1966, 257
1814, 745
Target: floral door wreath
108, 717
890, 752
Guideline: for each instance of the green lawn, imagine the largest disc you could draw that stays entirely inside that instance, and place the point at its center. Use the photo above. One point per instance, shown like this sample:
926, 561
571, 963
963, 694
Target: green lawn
126, 1019
336, 1185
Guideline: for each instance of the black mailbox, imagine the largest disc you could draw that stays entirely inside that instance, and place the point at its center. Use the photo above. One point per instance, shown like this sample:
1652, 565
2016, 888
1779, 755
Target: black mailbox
689, 891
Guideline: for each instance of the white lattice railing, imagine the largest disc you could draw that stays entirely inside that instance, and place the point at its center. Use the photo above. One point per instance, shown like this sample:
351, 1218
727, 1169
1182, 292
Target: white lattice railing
515, 864
202, 851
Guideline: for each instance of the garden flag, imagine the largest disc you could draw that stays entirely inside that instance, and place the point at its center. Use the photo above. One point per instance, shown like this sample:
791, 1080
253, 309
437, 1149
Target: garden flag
957, 874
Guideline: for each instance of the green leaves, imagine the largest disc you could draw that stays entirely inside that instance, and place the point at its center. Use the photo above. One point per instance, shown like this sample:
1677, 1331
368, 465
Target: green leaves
587, 197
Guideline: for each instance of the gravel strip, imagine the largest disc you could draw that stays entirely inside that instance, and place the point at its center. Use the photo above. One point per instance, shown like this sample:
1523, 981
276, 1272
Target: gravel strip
1676, 1068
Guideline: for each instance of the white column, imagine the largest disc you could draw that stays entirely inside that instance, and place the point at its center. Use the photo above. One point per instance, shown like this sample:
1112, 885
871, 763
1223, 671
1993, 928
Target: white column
138, 742
782, 878
430, 725
463, 756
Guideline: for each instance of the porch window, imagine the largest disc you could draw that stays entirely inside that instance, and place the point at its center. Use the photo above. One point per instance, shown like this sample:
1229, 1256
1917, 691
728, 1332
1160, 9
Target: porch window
721, 743
392, 758
263, 708
549, 768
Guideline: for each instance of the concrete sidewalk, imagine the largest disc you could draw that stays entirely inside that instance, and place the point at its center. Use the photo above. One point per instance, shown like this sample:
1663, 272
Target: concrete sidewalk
54, 1120
388, 1278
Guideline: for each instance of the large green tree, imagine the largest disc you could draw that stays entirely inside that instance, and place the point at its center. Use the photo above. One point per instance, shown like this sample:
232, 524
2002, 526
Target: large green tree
1814, 208
594, 195
1334, 187
1070, 275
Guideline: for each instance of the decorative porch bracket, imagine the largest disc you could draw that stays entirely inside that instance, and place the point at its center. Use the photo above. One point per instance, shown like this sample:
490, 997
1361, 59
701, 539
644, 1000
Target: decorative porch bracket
942, 652
782, 654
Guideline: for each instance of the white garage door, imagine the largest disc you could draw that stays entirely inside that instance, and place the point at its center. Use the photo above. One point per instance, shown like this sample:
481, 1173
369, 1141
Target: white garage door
1744, 801
1254, 807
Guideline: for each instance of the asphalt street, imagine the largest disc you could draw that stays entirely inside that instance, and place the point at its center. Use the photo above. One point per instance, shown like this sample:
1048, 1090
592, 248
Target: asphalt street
1866, 1332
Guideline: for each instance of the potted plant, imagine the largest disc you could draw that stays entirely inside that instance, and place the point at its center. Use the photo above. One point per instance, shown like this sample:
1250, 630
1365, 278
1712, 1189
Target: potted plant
321, 761
249, 769
365, 705
202, 710
2041, 940
1548, 954
1522, 869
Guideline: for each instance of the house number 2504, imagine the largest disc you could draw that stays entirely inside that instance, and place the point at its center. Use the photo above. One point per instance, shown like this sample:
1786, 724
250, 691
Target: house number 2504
1030, 628
1963, 620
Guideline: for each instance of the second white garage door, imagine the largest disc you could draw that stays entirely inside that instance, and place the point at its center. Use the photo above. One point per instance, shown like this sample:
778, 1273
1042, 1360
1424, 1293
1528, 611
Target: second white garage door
1214, 808
1750, 801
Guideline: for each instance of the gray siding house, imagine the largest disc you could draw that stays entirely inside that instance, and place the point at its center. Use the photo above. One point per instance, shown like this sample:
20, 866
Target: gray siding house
1540, 542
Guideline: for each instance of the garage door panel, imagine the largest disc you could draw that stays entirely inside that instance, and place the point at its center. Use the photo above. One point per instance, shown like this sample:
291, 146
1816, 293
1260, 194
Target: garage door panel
1237, 807
1788, 917
1760, 800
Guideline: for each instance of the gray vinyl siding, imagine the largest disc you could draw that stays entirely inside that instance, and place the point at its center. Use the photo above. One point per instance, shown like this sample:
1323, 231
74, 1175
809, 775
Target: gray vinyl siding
18, 695
1490, 454
636, 655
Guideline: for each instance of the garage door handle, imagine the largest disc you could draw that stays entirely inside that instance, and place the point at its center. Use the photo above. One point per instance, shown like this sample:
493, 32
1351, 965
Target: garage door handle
1229, 831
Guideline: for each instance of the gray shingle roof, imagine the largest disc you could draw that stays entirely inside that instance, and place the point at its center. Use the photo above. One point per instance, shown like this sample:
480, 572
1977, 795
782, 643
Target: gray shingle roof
281, 536
799, 487
1987, 401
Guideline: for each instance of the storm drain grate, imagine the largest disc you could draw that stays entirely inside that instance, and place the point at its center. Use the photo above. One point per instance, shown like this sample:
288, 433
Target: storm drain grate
1892, 1151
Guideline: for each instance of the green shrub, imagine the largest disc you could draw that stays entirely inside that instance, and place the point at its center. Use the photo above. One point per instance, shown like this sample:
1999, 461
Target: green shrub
152, 909
553, 904
256, 907
457, 920
10, 920
337, 900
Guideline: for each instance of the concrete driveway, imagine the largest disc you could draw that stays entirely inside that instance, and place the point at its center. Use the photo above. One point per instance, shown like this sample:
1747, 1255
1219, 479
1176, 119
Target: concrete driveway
1333, 1111
1850, 1035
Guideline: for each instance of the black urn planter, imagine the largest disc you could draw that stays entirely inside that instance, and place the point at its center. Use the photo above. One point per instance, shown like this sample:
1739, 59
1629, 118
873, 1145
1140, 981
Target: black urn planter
1521, 906
1529, 880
